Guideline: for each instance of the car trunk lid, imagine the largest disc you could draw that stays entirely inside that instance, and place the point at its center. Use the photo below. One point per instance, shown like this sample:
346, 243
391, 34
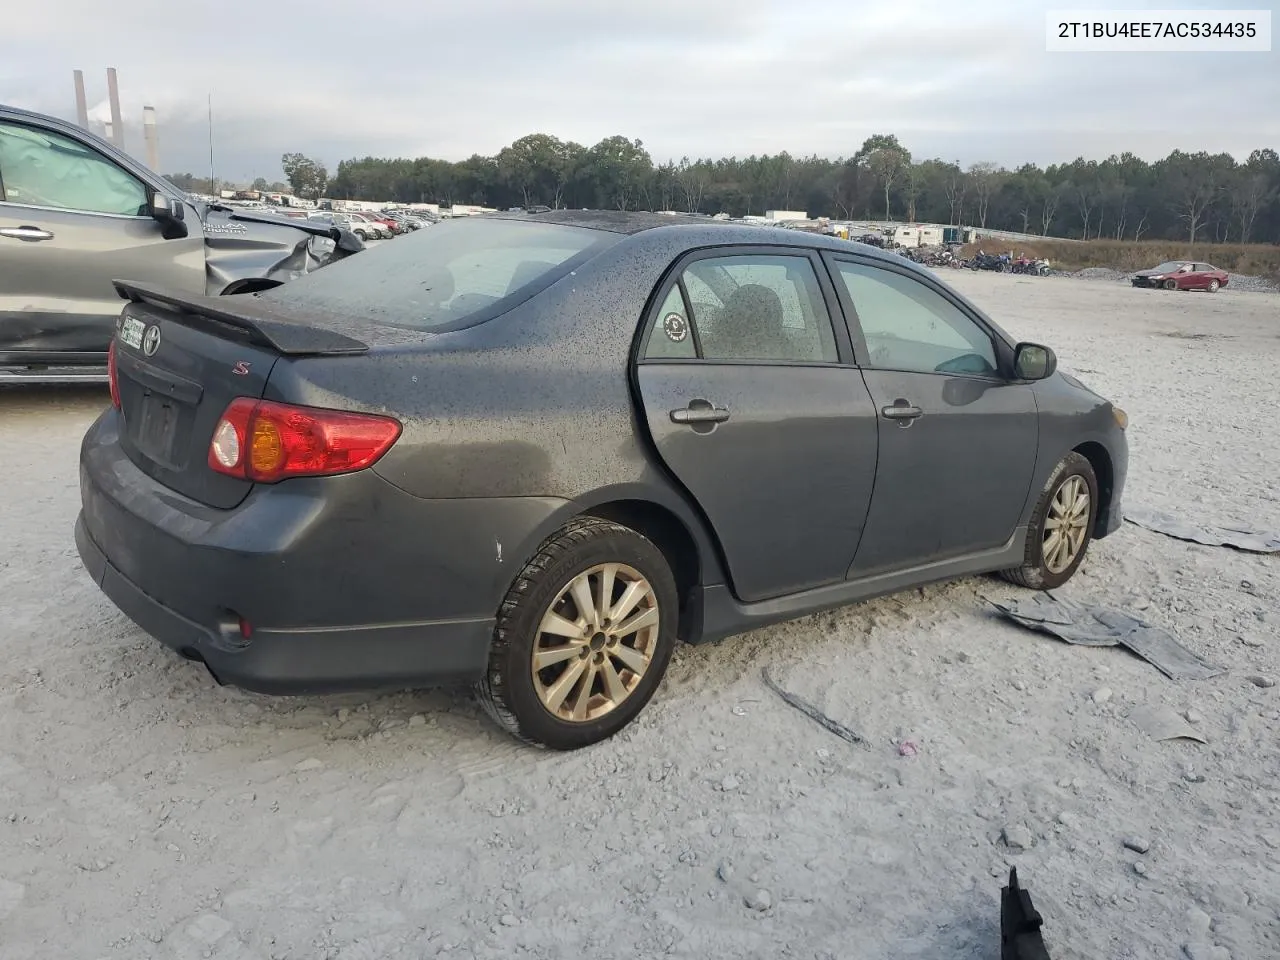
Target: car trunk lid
180, 360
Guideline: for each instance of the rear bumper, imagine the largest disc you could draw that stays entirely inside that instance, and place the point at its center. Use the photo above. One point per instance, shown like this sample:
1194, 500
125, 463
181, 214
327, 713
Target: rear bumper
302, 661
348, 583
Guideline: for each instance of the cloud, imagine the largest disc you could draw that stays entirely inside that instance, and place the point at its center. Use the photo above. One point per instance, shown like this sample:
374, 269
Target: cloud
706, 78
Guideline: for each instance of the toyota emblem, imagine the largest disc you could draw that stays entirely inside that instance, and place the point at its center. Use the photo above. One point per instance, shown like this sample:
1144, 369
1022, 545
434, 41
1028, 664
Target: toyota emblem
151, 341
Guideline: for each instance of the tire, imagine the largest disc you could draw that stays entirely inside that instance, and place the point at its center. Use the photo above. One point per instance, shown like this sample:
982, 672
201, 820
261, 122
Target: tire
1036, 572
1213, 286
516, 696
364, 237
1170, 284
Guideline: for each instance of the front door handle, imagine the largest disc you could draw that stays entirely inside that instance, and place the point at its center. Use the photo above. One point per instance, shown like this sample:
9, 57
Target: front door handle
902, 411
700, 411
30, 234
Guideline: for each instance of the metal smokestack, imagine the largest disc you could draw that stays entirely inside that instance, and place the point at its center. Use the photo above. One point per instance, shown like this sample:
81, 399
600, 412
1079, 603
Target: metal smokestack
82, 104
117, 121
149, 134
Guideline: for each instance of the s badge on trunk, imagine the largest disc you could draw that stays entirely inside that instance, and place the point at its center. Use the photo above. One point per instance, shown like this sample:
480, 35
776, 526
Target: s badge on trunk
241, 369
151, 341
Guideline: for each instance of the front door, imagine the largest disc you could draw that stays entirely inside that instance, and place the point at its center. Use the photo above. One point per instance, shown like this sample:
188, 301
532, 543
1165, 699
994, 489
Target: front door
71, 221
957, 440
756, 408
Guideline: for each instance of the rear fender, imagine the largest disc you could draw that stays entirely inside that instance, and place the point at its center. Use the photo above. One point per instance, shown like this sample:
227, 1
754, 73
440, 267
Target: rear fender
710, 565
661, 515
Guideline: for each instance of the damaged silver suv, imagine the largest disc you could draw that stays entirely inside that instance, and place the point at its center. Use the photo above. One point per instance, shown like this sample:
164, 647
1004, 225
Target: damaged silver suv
77, 213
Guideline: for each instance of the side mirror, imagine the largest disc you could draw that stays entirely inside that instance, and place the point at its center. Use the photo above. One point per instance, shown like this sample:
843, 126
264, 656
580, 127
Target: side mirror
169, 213
1031, 361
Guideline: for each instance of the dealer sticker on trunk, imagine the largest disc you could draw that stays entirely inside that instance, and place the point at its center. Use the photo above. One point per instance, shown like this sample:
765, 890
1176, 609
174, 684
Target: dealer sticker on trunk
131, 332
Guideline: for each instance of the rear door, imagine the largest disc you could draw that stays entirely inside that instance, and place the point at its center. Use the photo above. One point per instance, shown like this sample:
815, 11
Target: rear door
754, 404
957, 440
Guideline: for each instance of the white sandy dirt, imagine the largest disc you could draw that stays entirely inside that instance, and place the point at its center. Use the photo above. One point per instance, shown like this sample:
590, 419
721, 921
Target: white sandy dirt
147, 813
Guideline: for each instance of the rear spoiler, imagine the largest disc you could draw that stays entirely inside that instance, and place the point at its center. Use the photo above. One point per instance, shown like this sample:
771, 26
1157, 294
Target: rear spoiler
251, 320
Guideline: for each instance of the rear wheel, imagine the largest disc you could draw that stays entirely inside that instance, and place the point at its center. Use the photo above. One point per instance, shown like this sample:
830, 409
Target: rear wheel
1171, 284
1213, 286
1061, 526
583, 637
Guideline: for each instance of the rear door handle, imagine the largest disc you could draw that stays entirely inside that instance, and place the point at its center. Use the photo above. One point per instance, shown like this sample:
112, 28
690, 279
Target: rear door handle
903, 411
700, 411
27, 233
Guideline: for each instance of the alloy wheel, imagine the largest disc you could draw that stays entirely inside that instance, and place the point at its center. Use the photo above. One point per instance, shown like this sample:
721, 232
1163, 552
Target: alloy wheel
1066, 526
595, 642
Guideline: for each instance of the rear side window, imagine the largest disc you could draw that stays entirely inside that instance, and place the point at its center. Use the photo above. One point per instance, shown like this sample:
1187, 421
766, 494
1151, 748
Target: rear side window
43, 169
671, 338
752, 307
453, 275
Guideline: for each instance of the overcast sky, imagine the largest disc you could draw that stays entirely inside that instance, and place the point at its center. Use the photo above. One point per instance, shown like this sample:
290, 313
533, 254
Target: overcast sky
965, 81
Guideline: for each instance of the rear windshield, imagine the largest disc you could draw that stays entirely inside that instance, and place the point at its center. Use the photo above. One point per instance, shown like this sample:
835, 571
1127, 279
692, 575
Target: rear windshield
453, 275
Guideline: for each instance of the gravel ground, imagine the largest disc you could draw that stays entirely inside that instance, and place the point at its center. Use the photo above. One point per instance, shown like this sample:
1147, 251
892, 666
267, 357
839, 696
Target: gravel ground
147, 813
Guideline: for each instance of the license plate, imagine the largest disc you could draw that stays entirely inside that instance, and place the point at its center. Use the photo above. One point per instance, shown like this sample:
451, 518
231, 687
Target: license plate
131, 332
156, 427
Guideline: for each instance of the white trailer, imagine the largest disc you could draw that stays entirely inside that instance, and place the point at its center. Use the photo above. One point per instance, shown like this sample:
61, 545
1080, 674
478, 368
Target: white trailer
914, 236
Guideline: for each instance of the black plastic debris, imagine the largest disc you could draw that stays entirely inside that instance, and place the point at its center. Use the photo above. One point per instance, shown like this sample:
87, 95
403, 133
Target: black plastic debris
814, 714
1249, 541
1094, 626
1020, 923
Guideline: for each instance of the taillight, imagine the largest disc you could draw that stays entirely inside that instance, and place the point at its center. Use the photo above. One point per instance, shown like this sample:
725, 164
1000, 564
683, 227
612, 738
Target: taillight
265, 441
112, 376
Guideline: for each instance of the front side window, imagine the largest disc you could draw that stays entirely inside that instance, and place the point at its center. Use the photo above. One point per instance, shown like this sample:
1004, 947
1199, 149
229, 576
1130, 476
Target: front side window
909, 326
43, 169
759, 307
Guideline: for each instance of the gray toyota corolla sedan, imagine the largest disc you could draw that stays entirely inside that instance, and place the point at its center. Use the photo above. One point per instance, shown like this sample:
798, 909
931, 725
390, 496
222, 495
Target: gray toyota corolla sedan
530, 451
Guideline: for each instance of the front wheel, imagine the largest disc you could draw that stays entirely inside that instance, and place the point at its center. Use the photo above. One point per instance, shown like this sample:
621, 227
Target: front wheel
1213, 286
1171, 284
583, 636
1061, 526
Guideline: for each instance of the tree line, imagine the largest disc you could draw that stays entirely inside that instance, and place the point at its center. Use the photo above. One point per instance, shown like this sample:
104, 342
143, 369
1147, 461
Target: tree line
1198, 197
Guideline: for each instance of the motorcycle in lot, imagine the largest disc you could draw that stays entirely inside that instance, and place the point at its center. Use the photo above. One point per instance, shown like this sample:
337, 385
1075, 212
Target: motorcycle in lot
1035, 267
990, 261
928, 257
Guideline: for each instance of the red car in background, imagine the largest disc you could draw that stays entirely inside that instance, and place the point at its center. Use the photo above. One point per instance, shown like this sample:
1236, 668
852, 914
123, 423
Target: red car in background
1182, 275
392, 225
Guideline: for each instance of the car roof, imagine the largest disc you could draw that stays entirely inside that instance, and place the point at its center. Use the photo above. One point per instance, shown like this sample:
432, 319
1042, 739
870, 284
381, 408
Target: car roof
703, 231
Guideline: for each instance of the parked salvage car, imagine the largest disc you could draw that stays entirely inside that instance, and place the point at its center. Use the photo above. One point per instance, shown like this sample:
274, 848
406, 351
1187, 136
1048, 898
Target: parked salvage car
529, 452
377, 229
1182, 275
75, 212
